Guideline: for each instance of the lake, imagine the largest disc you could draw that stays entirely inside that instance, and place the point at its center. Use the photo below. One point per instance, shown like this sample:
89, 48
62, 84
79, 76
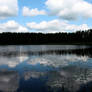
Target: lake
46, 68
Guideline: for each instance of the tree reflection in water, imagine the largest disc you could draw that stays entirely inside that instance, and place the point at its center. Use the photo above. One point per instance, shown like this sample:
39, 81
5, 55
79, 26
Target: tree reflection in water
53, 69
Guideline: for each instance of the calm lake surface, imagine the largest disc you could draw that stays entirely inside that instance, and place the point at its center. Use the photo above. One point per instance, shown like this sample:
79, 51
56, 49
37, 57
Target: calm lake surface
46, 68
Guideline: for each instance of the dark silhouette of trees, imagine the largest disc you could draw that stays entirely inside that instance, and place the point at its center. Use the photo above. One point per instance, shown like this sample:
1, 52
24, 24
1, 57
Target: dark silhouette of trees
79, 37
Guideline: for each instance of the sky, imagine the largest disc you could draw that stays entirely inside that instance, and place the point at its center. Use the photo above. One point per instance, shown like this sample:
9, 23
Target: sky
46, 16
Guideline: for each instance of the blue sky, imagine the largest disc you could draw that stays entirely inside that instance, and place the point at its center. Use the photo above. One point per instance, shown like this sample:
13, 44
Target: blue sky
45, 15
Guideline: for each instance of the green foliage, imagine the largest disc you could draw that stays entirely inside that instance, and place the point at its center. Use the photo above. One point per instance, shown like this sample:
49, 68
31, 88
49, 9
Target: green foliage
80, 37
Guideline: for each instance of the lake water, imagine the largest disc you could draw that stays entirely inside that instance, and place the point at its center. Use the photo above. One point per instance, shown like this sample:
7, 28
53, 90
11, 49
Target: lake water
46, 68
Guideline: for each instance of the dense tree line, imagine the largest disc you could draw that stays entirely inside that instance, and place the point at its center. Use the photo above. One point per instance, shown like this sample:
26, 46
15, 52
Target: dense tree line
79, 37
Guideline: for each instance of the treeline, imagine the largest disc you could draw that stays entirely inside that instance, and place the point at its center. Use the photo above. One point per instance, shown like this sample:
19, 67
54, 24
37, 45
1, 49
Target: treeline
80, 37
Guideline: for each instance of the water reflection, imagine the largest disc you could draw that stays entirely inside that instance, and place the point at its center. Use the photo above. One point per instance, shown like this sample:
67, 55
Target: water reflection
12, 51
9, 81
46, 60
70, 79
33, 74
17, 55
67, 79
46, 68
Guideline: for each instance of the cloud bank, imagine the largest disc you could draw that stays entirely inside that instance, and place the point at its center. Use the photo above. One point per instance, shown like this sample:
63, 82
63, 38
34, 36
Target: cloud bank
56, 26
70, 9
8, 8
12, 26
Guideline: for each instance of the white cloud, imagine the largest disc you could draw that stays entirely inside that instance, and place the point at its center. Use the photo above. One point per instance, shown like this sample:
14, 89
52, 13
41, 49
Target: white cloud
12, 26
8, 8
32, 12
70, 9
56, 26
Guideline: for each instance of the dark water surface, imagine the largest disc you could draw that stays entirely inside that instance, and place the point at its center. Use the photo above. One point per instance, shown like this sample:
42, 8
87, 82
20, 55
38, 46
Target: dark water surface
46, 68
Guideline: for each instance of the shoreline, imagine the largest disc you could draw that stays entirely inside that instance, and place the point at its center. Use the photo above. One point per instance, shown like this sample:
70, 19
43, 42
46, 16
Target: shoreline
51, 44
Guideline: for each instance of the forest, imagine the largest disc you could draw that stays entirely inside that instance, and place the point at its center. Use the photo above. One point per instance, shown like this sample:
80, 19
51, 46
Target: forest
79, 37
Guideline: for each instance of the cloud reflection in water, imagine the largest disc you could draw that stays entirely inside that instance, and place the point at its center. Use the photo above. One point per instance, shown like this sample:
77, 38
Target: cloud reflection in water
68, 74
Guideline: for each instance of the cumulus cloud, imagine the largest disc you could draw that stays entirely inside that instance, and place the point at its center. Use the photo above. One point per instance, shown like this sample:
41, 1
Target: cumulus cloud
33, 12
70, 9
56, 26
8, 8
12, 26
